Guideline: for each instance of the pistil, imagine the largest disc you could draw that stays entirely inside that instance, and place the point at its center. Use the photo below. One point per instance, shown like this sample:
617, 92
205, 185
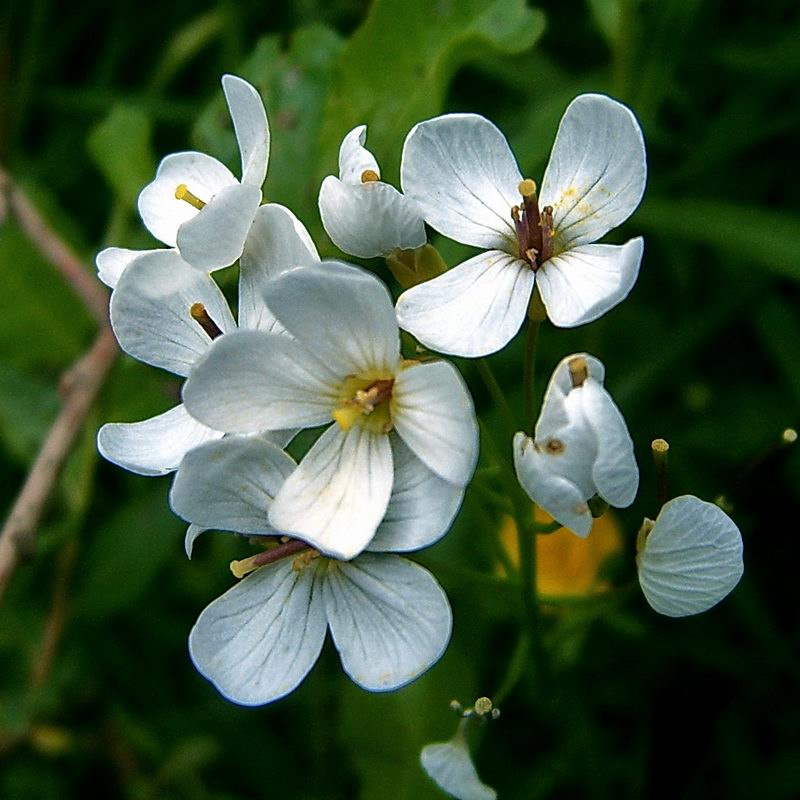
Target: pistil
361, 400
534, 228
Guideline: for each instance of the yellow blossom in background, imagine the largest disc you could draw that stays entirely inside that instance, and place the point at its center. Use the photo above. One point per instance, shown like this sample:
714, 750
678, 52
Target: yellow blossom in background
566, 565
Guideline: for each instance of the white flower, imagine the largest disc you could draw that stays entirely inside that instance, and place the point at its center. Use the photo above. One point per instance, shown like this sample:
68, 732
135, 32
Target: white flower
461, 171
196, 204
582, 447
166, 313
690, 558
364, 216
113, 261
344, 364
449, 765
388, 617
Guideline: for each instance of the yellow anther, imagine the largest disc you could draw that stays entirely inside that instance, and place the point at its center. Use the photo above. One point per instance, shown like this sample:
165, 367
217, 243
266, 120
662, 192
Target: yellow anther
527, 188
578, 371
182, 193
346, 416
659, 446
789, 436
369, 176
244, 566
483, 705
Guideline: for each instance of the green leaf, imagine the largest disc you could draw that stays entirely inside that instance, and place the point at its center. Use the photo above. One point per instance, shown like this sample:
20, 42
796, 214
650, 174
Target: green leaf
45, 326
396, 68
777, 324
127, 553
28, 407
770, 239
121, 148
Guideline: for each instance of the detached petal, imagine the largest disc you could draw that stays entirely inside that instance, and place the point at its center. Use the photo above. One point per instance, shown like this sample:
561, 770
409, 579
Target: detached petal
450, 766
422, 506
691, 559
343, 314
597, 170
354, 158
473, 309
153, 446
112, 261
369, 219
580, 285
250, 124
259, 640
252, 381
214, 237
150, 311
230, 484
556, 494
615, 473
433, 413
161, 212
337, 496
389, 619
461, 171
277, 242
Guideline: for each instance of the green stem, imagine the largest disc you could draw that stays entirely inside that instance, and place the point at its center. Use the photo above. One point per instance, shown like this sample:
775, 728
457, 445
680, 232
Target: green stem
497, 394
529, 370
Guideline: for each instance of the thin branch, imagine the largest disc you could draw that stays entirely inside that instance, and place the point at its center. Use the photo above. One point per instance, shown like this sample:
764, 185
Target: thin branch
80, 386
54, 249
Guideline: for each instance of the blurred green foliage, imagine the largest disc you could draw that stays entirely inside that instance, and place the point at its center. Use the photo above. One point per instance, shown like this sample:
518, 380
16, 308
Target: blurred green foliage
706, 353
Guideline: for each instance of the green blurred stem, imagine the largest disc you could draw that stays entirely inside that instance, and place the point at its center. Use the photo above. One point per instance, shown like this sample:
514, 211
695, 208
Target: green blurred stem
529, 370
497, 394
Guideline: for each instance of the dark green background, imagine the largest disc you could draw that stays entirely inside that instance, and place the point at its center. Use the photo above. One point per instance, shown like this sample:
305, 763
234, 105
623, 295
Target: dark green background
705, 353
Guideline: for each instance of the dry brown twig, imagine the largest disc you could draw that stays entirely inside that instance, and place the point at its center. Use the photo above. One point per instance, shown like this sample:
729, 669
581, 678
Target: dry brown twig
79, 385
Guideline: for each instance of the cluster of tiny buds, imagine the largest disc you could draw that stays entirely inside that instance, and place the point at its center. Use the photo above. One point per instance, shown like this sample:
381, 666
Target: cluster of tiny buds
482, 708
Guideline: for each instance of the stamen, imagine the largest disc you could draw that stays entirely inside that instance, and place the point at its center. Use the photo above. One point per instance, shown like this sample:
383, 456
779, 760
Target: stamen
182, 193
247, 565
244, 566
363, 402
546, 224
369, 176
578, 371
202, 317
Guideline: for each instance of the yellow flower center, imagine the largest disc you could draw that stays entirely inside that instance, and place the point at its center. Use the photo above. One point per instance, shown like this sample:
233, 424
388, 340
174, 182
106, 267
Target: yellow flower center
365, 400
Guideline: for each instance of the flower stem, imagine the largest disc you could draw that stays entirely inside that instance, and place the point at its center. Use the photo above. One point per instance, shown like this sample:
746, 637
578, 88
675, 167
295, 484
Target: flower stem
529, 370
497, 394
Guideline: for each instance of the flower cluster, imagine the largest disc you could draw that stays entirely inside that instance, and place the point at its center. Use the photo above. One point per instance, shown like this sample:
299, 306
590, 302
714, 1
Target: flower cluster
390, 438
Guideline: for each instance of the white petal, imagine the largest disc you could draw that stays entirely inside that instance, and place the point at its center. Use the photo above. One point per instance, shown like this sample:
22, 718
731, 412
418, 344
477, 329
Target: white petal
433, 413
112, 261
162, 213
150, 311
354, 158
473, 309
215, 236
389, 619
343, 314
615, 473
450, 766
277, 241
561, 379
422, 506
193, 532
254, 381
597, 170
252, 130
153, 446
692, 558
259, 640
369, 219
580, 285
229, 484
556, 494
461, 171
337, 496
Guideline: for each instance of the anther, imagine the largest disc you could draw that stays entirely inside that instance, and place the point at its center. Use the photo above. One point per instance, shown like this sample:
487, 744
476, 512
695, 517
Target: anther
527, 188
369, 176
203, 319
244, 566
182, 193
578, 371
